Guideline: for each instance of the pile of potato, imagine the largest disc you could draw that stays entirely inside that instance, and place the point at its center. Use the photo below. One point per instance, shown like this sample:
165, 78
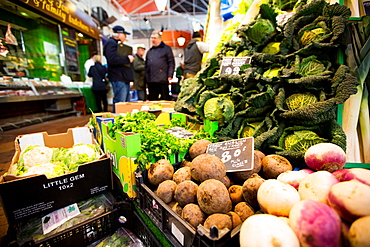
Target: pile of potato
202, 192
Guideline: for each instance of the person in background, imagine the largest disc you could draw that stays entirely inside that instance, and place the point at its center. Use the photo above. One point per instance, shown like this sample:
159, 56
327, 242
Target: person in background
139, 73
159, 68
98, 73
193, 55
119, 61
175, 87
89, 62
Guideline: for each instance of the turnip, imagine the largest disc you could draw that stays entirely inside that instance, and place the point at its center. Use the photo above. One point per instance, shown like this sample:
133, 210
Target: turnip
325, 156
359, 232
292, 177
277, 198
351, 199
316, 186
266, 230
315, 224
360, 174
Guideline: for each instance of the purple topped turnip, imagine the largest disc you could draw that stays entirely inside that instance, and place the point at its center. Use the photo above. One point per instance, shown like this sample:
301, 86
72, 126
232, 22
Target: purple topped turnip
325, 157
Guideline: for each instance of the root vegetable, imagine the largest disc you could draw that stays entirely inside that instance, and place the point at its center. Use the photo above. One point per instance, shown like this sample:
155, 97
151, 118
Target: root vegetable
193, 214
236, 193
325, 157
175, 207
166, 190
266, 230
360, 174
250, 188
292, 177
182, 174
207, 166
221, 221
235, 218
359, 232
160, 171
315, 224
213, 197
316, 186
273, 165
351, 199
243, 210
198, 147
226, 181
186, 192
241, 176
277, 198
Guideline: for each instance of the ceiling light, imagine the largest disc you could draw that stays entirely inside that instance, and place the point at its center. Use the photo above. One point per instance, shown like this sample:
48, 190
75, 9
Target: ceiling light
181, 40
80, 35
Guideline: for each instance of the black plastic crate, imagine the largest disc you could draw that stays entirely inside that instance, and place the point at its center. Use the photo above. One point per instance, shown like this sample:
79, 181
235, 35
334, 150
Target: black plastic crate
143, 232
84, 233
176, 229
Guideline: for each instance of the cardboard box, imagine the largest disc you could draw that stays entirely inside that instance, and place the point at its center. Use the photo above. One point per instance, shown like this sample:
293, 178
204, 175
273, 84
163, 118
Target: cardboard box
23, 197
123, 107
96, 120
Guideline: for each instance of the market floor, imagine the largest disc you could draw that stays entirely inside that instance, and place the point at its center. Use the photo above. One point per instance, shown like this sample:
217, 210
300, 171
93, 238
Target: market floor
7, 150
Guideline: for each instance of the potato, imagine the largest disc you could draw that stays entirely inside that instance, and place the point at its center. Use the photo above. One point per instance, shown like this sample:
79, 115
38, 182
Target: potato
193, 214
175, 207
273, 165
235, 218
182, 174
213, 197
241, 176
198, 147
250, 189
236, 193
160, 171
185, 163
221, 221
166, 190
243, 210
186, 192
207, 166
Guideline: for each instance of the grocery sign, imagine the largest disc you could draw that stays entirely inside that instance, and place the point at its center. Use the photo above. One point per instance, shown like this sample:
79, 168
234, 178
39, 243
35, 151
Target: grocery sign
237, 154
231, 65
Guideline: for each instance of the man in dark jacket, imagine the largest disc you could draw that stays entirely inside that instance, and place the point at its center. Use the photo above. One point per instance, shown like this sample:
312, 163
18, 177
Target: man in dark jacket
98, 73
193, 55
139, 73
119, 58
159, 68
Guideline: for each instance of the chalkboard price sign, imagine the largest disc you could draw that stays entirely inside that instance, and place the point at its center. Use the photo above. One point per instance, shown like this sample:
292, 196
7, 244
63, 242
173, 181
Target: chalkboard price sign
237, 154
231, 65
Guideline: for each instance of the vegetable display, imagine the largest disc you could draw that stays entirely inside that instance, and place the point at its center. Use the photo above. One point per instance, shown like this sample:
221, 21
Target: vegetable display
287, 97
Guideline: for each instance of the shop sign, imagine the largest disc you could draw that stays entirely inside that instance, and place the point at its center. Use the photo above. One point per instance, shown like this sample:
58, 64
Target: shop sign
231, 65
67, 13
237, 154
71, 55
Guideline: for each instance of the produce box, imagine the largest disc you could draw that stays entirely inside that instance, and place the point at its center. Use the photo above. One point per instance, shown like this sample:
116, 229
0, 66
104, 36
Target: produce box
123, 107
24, 197
105, 219
178, 231
123, 149
95, 122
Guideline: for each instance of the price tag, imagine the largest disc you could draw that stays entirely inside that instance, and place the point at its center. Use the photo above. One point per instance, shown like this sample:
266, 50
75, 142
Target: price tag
231, 65
237, 154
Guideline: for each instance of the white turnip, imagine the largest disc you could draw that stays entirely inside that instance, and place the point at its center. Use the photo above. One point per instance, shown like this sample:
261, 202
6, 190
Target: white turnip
360, 174
325, 156
292, 177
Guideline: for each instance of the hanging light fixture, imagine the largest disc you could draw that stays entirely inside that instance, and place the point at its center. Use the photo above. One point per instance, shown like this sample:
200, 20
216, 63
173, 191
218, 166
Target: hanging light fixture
181, 40
161, 4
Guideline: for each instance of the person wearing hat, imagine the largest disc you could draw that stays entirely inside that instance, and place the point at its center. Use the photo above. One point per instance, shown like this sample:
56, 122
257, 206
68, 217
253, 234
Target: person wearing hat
139, 73
119, 58
193, 55
159, 68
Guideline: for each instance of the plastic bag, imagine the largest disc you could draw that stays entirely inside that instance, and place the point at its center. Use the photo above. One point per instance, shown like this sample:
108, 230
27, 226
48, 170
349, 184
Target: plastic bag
122, 237
9, 37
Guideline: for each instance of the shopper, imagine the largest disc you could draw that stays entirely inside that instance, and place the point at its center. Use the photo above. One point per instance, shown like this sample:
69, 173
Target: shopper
98, 72
119, 58
159, 68
89, 62
193, 55
175, 86
139, 73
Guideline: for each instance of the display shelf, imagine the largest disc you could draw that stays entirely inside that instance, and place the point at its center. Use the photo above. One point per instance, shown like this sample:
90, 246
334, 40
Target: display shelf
37, 97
